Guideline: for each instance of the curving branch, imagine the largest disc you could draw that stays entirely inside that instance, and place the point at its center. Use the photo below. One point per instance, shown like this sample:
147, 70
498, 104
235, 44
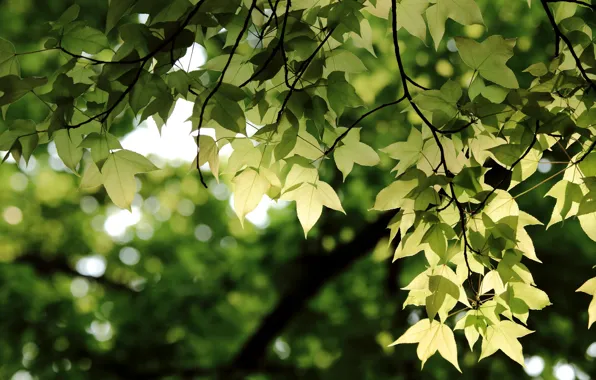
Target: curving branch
561, 36
527, 151
277, 47
321, 270
345, 133
103, 116
301, 70
61, 265
579, 2
435, 133
218, 84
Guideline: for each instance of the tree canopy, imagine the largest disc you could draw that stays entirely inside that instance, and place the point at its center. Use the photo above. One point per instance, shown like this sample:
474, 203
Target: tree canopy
325, 104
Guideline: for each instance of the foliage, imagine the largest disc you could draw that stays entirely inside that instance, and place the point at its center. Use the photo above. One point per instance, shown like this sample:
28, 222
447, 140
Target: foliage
278, 87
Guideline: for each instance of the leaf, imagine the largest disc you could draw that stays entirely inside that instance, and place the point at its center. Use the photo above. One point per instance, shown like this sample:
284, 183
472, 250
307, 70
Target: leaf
249, 188
440, 287
568, 196
353, 151
489, 58
13, 88
442, 103
310, 199
503, 336
346, 61
492, 281
100, 146
393, 196
407, 152
501, 205
409, 16
286, 145
365, 39
86, 39
67, 145
209, 153
589, 287
118, 176
436, 239
9, 63
474, 324
117, 10
91, 177
69, 15
340, 93
229, 115
431, 337
465, 12
535, 298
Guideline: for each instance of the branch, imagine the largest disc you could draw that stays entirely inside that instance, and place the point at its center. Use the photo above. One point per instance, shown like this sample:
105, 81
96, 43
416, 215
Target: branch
434, 130
103, 116
341, 137
322, 269
219, 82
61, 265
560, 35
582, 3
301, 70
275, 49
590, 149
483, 203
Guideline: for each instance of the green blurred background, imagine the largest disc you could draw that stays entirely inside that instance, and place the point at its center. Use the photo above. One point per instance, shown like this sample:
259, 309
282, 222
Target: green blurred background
177, 289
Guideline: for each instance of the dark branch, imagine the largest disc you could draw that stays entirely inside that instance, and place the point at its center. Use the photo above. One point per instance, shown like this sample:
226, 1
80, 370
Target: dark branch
483, 203
103, 116
275, 49
301, 70
61, 265
562, 36
219, 82
344, 134
582, 3
321, 271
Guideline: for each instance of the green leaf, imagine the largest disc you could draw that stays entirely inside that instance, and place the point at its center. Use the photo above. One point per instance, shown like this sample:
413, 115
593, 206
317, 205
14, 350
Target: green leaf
117, 10
407, 152
286, 145
409, 16
341, 94
118, 175
353, 151
465, 12
100, 146
442, 104
229, 115
13, 88
345, 60
67, 145
440, 287
69, 15
489, 58
84, 38
9, 63
91, 177
394, 195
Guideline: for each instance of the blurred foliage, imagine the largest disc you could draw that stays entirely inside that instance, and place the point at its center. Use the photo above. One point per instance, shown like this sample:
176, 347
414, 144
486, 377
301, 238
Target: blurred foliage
202, 285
